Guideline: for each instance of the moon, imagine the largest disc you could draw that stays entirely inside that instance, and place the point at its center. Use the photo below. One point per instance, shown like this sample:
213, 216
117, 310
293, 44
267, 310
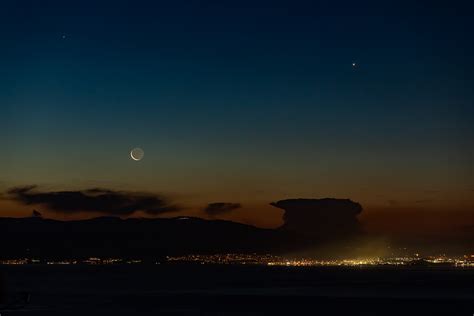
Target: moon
137, 154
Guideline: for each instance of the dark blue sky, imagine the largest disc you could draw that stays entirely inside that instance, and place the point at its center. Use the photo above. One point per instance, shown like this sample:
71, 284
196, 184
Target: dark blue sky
249, 100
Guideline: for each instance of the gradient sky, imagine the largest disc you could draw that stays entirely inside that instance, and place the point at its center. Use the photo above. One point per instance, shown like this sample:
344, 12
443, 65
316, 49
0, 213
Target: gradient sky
246, 102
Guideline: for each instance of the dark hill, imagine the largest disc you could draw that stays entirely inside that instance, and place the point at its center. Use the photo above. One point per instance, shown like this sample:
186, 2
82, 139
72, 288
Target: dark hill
308, 223
134, 237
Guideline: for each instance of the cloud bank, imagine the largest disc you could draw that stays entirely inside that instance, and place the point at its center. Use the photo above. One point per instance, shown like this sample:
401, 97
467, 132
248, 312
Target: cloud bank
104, 201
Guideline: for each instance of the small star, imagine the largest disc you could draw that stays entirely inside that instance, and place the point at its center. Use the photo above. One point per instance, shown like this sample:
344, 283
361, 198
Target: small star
354, 64
63, 36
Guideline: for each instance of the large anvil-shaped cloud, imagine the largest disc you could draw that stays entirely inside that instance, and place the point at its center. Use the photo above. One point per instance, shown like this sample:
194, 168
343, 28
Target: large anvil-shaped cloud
328, 217
92, 200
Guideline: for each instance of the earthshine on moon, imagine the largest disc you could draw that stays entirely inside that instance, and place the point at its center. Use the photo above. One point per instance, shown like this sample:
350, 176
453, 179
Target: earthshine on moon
137, 154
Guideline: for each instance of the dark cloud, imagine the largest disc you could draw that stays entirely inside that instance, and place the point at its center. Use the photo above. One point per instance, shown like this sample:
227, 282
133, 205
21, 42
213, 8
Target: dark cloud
326, 218
221, 207
92, 200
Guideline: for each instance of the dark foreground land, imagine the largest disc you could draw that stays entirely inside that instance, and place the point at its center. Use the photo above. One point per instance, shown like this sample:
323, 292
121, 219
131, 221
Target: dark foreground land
236, 290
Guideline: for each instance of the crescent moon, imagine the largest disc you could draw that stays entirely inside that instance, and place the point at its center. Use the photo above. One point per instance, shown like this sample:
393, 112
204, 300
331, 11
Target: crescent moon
131, 155
137, 154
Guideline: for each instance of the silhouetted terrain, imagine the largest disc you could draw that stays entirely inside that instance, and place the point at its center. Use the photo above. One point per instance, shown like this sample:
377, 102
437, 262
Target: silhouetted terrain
145, 238
308, 223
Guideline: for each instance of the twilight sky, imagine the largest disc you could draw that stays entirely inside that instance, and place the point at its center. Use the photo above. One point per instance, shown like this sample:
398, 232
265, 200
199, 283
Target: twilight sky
246, 102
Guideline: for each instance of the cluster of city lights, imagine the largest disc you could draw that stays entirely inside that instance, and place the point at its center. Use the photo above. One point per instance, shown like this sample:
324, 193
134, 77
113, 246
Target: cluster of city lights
227, 258
261, 259
271, 260
88, 261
